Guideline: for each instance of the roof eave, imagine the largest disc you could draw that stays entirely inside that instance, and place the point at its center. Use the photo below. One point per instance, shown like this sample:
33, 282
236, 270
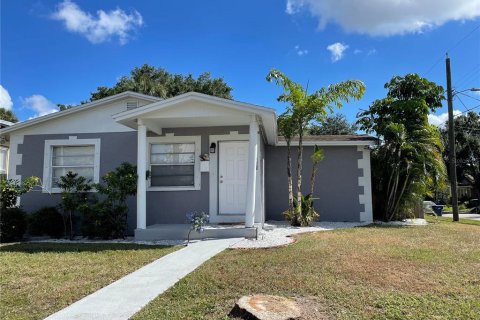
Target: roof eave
89, 105
332, 143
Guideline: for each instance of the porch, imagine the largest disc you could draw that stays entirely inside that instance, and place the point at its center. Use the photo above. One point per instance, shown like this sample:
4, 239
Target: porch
180, 232
187, 140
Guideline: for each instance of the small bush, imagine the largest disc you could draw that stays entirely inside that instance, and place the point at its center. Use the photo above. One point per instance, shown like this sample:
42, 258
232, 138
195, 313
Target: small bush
104, 220
46, 221
307, 216
13, 224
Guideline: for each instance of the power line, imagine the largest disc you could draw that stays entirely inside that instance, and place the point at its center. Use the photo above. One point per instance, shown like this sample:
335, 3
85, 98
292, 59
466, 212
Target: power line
467, 77
459, 114
468, 96
451, 49
462, 103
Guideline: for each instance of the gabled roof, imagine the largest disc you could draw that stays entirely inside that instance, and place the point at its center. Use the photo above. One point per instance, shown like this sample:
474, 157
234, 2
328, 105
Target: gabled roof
80, 108
187, 96
237, 110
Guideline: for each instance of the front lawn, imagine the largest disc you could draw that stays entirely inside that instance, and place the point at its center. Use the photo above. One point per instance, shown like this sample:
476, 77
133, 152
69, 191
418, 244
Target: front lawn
422, 272
38, 279
462, 221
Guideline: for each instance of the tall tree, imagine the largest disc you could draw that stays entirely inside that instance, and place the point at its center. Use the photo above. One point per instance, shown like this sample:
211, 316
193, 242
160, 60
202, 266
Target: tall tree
7, 115
333, 125
304, 108
407, 165
467, 148
160, 83
287, 129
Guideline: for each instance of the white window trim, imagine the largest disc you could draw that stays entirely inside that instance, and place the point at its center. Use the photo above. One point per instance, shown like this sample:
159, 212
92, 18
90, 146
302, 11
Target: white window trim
72, 141
5, 170
177, 139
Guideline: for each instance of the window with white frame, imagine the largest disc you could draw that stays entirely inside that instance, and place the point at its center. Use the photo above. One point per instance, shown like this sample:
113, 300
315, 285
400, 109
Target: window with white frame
78, 156
174, 164
3, 160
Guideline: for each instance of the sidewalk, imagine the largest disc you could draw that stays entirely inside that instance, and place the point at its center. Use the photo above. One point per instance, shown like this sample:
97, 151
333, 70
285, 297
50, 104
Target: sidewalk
468, 216
128, 295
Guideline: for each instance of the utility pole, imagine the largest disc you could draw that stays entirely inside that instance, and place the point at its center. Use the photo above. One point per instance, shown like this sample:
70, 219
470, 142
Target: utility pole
451, 141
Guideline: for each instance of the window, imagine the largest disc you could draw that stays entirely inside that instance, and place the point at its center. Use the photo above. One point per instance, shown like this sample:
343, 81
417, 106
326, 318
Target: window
77, 159
3, 160
174, 163
81, 156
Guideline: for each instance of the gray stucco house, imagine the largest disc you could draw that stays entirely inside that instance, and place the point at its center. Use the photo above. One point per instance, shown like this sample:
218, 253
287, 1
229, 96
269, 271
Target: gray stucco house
244, 180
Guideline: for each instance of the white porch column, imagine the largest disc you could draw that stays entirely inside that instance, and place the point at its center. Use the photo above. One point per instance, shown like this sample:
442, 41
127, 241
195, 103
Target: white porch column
252, 173
141, 172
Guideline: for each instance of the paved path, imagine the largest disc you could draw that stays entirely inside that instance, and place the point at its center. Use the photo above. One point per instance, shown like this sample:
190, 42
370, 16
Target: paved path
126, 296
468, 216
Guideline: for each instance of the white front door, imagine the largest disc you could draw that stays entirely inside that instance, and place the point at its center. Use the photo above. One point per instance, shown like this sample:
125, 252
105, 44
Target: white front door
232, 177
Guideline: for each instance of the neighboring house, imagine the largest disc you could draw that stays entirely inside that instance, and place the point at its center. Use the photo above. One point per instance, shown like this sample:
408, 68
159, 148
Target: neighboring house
244, 180
4, 149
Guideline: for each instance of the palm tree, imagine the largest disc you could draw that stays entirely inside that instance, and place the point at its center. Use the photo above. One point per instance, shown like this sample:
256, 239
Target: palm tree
304, 108
408, 164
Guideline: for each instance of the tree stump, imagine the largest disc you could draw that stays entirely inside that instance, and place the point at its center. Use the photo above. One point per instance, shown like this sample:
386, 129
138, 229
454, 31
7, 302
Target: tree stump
266, 307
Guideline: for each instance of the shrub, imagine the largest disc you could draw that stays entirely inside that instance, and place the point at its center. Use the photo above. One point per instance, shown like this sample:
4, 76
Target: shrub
46, 221
107, 218
11, 189
13, 224
13, 221
307, 215
75, 195
102, 219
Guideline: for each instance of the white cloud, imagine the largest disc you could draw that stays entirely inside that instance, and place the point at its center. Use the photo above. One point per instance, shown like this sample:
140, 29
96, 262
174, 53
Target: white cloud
5, 99
99, 28
300, 52
371, 51
441, 119
39, 104
357, 51
386, 17
337, 51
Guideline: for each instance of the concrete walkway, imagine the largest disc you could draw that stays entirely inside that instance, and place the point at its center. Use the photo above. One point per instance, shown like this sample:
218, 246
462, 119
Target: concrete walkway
468, 216
128, 295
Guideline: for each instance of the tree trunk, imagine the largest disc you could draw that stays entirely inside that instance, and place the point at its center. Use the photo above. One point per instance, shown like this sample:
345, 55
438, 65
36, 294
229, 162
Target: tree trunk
312, 178
299, 172
64, 218
289, 176
71, 226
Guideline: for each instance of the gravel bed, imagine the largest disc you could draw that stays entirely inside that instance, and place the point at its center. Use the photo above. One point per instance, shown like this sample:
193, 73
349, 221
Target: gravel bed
126, 241
406, 222
278, 233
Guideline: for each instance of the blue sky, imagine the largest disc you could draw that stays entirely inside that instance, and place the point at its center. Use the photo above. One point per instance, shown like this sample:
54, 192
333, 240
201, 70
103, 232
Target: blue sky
60, 51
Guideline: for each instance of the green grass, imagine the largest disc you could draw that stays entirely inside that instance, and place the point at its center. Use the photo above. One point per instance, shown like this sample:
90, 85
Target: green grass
445, 219
375, 272
38, 279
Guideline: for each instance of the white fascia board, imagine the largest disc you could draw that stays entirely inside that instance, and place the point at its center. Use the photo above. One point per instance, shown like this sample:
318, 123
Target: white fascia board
126, 115
270, 126
328, 143
84, 107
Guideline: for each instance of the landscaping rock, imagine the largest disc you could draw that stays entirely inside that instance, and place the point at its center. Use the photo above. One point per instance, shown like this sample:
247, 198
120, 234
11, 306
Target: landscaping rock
266, 307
